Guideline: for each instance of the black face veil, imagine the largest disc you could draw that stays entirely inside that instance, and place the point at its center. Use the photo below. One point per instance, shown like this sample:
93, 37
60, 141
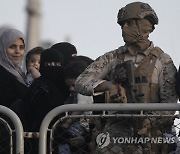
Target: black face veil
51, 66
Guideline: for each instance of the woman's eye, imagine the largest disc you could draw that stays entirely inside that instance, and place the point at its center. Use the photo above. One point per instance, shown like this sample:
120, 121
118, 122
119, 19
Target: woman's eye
22, 47
12, 46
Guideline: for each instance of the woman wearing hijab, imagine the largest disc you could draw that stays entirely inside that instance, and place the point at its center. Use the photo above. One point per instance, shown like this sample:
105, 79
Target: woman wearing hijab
12, 79
67, 50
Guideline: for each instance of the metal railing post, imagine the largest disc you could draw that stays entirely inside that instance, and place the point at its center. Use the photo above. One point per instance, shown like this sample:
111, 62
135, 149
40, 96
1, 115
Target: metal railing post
18, 128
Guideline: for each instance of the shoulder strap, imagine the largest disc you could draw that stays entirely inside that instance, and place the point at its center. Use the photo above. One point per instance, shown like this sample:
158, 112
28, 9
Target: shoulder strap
120, 54
156, 51
149, 62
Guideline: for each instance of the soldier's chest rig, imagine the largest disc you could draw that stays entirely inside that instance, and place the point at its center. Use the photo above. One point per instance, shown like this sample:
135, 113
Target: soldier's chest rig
145, 90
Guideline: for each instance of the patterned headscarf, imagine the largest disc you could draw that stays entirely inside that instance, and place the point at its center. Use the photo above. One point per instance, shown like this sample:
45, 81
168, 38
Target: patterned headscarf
7, 37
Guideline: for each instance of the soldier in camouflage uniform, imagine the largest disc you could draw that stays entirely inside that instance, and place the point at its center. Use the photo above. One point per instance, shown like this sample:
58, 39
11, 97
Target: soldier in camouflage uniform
154, 75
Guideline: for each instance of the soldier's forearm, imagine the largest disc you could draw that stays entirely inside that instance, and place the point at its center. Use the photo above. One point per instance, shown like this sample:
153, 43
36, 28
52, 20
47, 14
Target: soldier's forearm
104, 86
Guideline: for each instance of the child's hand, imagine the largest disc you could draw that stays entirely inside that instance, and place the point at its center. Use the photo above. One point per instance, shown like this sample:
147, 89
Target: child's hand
34, 72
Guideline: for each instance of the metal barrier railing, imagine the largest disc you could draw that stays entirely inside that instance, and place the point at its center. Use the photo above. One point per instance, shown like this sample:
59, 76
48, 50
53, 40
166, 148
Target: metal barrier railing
18, 128
102, 107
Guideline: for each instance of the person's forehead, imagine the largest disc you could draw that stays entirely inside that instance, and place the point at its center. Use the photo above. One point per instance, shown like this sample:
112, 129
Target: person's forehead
35, 56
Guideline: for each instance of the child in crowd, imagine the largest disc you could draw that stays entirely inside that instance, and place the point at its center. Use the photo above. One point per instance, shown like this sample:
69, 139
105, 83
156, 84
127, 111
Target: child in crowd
77, 132
33, 64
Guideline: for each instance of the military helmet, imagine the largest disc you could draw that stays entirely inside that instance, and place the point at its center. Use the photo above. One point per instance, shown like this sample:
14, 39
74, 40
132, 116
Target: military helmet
137, 10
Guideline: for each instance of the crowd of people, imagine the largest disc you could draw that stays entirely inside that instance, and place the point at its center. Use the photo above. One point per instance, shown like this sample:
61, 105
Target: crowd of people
58, 75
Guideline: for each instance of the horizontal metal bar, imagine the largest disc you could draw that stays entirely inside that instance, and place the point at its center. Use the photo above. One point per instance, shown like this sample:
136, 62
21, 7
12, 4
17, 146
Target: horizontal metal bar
99, 107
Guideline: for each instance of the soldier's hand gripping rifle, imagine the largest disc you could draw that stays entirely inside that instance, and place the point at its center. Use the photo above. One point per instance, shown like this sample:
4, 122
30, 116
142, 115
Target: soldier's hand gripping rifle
117, 94
124, 75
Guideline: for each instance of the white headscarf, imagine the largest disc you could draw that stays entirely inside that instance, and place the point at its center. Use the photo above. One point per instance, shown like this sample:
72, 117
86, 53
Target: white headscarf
7, 37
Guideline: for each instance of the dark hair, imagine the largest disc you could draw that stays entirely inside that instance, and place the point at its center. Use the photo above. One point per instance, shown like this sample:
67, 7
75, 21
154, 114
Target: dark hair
85, 59
76, 66
178, 83
33, 51
73, 69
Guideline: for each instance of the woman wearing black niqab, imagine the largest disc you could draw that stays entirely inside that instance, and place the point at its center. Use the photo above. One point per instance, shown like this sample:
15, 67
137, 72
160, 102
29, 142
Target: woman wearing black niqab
46, 92
68, 50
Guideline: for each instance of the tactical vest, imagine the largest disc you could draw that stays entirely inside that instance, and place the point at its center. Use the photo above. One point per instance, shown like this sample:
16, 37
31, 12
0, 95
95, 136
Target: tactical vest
145, 88
143, 74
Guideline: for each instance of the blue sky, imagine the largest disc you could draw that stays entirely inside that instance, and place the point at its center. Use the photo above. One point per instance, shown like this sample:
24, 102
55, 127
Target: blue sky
91, 24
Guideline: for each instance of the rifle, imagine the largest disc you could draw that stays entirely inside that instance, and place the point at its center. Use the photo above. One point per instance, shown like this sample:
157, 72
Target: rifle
124, 75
